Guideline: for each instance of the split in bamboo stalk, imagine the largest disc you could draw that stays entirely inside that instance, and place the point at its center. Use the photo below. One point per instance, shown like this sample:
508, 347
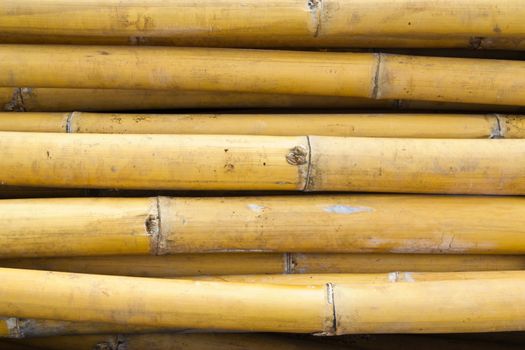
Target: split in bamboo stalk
450, 306
268, 263
416, 125
66, 100
368, 75
346, 224
237, 162
250, 23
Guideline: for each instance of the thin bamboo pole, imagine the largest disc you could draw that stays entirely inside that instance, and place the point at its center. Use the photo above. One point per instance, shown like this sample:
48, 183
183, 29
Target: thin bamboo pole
416, 125
250, 23
53, 100
366, 75
160, 341
268, 263
237, 162
450, 306
66, 100
346, 224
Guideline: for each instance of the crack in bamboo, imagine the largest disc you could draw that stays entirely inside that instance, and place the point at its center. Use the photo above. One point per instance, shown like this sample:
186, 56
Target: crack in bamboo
316, 8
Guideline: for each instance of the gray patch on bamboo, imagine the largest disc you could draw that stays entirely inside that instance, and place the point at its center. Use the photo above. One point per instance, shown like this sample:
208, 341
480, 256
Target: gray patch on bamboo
16, 104
256, 208
315, 7
13, 327
346, 209
289, 264
497, 131
376, 80
69, 122
117, 343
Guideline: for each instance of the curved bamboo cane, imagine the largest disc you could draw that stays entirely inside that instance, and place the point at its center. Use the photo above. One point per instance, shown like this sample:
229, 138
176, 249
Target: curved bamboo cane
355, 224
249, 23
368, 75
416, 125
236, 162
447, 306
268, 263
66, 100
30, 328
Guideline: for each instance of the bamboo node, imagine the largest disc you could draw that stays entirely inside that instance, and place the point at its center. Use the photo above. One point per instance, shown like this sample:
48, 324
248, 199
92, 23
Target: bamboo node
16, 104
297, 156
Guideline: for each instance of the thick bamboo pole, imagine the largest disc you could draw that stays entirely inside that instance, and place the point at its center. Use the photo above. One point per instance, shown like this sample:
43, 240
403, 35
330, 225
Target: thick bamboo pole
417, 125
66, 100
349, 224
268, 263
450, 306
30, 328
165, 303
237, 162
250, 23
368, 75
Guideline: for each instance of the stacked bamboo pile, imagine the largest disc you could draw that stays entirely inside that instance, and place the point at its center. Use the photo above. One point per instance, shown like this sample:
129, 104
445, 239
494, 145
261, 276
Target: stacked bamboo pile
160, 161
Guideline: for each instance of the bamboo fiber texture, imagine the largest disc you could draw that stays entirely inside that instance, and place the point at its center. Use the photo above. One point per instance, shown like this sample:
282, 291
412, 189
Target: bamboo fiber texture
249, 23
366, 75
349, 224
471, 305
239, 162
414, 125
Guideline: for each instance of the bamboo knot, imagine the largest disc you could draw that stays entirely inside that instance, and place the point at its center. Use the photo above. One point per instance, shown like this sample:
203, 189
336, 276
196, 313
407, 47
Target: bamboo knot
297, 156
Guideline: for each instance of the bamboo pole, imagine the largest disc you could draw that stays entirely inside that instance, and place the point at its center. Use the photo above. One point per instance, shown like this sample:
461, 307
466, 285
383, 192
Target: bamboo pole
237, 162
159, 341
248, 23
165, 303
366, 75
450, 306
51, 99
30, 328
329, 224
67, 100
416, 125
268, 263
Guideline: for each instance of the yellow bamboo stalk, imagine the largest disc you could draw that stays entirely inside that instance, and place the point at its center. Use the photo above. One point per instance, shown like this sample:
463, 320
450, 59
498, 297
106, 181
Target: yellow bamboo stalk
417, 125
450, 306
50, 99
276, 23
366, 75
30, 328
345, 224
237, 162
66, 100
170, 303
192, 264
268, 263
